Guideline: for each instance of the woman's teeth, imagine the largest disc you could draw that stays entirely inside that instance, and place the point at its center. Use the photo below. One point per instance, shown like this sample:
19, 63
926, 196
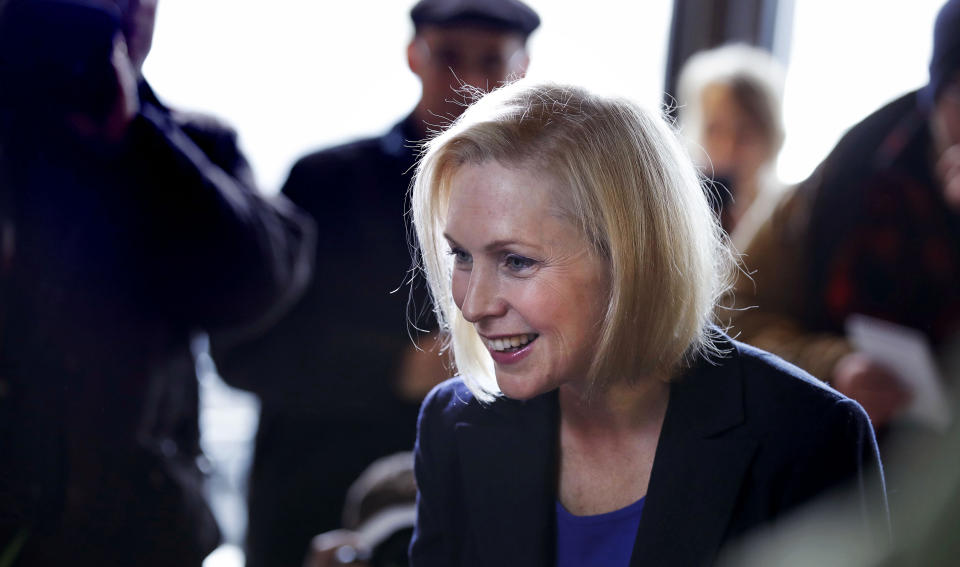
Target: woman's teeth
509, 343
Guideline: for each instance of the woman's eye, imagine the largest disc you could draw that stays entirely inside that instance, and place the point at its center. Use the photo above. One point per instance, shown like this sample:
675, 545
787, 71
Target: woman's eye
517, 263
460, 256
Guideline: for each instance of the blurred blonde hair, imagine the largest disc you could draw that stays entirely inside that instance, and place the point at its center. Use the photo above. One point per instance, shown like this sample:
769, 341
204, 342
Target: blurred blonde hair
627, 183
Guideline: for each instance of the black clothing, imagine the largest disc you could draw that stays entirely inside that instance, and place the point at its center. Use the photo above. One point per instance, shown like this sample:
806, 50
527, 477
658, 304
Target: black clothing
882, 240
120, 253
326, 372
746, 439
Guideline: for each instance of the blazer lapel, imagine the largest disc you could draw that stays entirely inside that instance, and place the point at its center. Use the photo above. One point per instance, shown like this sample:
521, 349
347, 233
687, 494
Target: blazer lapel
508, 465
697, 473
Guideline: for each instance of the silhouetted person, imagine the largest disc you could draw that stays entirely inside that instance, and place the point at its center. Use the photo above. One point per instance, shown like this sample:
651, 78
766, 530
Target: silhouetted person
339, 379
125, 228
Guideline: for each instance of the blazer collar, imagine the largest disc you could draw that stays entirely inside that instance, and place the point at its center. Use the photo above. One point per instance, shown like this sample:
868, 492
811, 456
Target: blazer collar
697, 471
509, 465
509, 460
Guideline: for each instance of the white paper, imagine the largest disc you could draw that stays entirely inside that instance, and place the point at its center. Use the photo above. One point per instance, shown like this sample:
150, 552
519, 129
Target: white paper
907, 353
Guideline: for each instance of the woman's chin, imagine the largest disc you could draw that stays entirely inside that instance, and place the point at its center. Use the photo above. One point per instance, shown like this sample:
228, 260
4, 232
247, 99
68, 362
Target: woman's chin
517, 388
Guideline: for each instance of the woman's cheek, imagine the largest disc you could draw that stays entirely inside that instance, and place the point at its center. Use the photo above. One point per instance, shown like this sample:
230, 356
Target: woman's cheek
459, 287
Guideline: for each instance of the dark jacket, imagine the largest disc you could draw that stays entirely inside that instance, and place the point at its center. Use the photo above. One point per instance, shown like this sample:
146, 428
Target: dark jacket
119, 254
746, 439
326, 373
882, 240
868, 232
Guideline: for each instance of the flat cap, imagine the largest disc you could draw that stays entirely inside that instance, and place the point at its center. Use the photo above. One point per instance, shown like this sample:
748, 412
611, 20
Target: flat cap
508, 15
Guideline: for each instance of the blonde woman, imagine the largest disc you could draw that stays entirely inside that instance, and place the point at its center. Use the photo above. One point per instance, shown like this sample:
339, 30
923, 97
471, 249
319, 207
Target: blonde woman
730, 109
598, 417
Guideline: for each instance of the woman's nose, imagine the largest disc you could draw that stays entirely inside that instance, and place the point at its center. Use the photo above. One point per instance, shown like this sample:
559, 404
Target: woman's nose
482, 298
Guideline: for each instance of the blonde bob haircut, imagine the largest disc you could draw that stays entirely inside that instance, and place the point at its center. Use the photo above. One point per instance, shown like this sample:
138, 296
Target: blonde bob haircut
625, 181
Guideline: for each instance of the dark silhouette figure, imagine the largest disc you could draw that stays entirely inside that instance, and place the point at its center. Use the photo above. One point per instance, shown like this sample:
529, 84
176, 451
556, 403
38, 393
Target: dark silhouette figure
125, 227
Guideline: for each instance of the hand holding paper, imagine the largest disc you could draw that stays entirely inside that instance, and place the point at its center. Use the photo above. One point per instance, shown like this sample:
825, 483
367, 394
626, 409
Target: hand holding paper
906, 352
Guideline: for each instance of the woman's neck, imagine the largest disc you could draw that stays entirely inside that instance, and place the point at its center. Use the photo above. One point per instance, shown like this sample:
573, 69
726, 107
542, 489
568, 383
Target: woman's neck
608, 442
618, 408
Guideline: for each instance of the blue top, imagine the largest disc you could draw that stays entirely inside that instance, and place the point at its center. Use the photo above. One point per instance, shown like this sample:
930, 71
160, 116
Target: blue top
604, 540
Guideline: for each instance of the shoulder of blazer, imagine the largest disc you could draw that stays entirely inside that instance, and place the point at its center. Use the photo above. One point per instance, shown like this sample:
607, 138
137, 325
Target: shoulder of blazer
777, 392
491, 463
752, 392
451, 403
746, 438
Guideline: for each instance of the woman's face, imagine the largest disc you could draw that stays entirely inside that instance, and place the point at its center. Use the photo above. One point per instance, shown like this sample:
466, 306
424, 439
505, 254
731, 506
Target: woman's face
525, 277
735, 143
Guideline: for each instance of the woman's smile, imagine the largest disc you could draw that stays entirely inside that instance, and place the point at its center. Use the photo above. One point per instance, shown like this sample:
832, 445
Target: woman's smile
510, 343
510, 349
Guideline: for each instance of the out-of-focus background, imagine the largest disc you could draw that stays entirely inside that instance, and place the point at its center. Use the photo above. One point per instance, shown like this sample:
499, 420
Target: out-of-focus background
296, 75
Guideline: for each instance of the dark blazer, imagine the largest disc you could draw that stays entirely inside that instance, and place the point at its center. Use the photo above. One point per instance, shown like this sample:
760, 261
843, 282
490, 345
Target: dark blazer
120, 254
746, 439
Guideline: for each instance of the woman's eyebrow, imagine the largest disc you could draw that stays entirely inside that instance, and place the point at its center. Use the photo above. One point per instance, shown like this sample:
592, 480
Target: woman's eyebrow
503, 243
491, 246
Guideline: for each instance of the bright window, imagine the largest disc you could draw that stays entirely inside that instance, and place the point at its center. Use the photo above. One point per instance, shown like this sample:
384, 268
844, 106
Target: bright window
846, 60
296, 75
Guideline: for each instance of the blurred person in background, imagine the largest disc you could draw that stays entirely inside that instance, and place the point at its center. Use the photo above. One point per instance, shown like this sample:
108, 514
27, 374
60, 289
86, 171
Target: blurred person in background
729, 100
339, 378
126, 228
875, 230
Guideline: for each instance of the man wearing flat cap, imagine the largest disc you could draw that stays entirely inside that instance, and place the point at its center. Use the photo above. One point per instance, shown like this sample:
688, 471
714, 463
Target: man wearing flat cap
475, 42
874, 230
339, 379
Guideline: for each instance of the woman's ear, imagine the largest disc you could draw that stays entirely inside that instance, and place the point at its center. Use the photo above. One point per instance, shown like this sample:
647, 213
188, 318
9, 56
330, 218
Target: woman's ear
415, 57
